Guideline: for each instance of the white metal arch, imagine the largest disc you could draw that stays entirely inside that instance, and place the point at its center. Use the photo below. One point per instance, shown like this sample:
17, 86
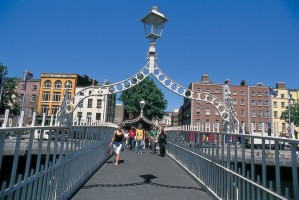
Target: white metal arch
151, 68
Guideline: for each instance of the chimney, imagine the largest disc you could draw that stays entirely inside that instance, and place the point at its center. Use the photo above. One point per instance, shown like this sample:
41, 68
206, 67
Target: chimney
280, 85
260, 84
205, 78
94, 82
227, 82
243, 83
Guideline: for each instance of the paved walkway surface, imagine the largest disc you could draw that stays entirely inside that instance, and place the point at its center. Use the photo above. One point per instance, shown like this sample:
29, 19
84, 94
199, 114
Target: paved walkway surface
141, 176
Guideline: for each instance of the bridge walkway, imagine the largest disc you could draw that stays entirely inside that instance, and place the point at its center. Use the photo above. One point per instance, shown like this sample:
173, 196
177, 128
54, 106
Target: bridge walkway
141, 176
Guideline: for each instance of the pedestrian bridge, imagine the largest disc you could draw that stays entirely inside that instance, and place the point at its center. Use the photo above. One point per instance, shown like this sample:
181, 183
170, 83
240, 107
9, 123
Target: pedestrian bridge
70, 162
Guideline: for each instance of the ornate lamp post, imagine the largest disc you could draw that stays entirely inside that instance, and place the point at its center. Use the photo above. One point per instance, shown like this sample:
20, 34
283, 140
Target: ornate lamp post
153, 27
141, 103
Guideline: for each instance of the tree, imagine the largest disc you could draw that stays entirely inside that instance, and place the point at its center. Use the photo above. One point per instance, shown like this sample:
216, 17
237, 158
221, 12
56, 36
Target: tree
9, 93
294, 111
150, 93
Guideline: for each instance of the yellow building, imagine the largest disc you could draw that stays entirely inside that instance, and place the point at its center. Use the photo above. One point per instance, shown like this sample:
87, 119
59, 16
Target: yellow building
53, 87
280, 104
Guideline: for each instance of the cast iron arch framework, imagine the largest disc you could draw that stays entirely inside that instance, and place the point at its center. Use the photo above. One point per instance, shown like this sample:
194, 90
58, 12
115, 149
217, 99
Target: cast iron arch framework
151, 68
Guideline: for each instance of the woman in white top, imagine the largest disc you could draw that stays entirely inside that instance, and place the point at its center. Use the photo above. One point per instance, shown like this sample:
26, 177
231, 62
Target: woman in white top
117, 142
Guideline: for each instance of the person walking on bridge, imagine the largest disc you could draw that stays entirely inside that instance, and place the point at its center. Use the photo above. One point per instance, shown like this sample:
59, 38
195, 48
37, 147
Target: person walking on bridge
162, 142
154, 138
117, 142
139, 138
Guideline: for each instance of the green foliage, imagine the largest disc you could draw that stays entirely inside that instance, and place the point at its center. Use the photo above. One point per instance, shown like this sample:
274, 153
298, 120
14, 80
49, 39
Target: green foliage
9, 93
294, 110
150, 93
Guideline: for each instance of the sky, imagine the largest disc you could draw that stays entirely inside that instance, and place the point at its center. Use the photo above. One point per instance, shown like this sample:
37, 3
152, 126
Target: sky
256, 40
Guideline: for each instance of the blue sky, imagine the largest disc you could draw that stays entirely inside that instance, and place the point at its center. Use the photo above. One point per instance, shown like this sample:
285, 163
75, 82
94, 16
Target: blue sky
256, 40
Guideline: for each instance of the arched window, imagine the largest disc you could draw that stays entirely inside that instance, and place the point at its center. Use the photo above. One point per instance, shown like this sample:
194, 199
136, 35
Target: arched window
47, 84
58, 84
68, 84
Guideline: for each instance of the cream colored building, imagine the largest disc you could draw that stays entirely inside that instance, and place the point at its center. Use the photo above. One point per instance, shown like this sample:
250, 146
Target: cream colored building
280, 104
92, 109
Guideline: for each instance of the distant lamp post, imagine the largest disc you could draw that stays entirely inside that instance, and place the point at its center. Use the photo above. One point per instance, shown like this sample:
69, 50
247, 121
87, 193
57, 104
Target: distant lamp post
153, 24
141, 103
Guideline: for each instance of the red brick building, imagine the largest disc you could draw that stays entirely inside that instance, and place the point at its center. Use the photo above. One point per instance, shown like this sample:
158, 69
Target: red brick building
250, 103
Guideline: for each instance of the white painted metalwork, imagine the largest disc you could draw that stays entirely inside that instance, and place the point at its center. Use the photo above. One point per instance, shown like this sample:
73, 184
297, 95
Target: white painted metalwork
226, 164
151, 68
141, 117
50, 162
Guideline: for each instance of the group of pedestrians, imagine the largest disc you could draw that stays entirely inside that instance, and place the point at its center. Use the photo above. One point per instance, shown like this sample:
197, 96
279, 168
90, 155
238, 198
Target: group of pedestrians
139, 139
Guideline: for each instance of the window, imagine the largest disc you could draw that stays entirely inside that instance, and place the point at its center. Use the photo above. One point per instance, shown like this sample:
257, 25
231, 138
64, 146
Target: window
283, 104
198, 109
99, 103
266, 93
234, 92
275, 114
236, 112
216, 112
242, 93
253, 113
217, 90
207, 111
198, 90
208, 90
46, 96
89, 92
242, 113
31, 111
234, 101
266, 103
260, 113
58, 84
197, 122
68, 84
208, 99
242, 102
89, 103
79, 116
81, 93
282, 96
34, 87
259, 103
88, 117
267, 114
21, 97
47, 84
55, 109
275, 104
259, 94
56, 96
253, 102
253, 125
80, 104
252, 93
45, 109
284, 127
98, 116
260, 125
22, 87
33, 98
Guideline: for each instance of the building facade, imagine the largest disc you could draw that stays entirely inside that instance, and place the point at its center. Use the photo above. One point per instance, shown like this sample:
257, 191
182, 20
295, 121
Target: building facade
250, 103
119, 113
29, 97
280, 104
93, 109
53, 87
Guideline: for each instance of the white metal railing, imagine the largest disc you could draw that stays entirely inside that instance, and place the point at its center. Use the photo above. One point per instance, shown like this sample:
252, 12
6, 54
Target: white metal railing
232, 166
50, 162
